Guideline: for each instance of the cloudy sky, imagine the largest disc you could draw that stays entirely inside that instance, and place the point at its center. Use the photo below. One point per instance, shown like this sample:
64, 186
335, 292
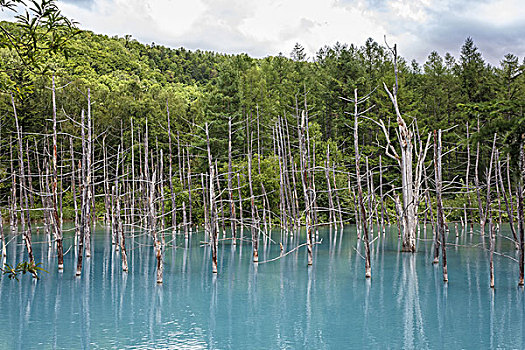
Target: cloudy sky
268, 27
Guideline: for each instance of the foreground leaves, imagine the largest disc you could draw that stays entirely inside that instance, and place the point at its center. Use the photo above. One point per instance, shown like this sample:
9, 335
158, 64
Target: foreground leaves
23, 267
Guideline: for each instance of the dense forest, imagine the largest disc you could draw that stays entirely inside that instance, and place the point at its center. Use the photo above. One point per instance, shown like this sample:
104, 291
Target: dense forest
141, 135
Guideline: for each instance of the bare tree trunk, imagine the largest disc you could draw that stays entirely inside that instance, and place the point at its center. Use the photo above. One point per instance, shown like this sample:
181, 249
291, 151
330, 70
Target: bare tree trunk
219, 191
282, 195
230, 189
287, 159
89, 183
122, 238
410, 182
3, 252
488, 209
184, 221
240, 202
381, 194
491, 248
439, 210
2, 237
29, 178
84, 219
521, 230
306, 185
364, 223
161, 191
132, 199
498, 194
476, 183
205, 208
337, 200
467, 184
254, 223
57, 230
106, 183
213, 217
506, 200
23, 192
13, 217
48, 203
116, 212
213, 207
170, 174
356, 209
153, 228
440, 219
315, 207
399, 214
509, 184
331, 209
179, 158
190, 201
520, 210
74, 189
263, 189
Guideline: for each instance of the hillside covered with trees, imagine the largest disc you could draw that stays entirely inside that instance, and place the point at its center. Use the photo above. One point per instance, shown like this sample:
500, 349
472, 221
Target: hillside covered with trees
130, 80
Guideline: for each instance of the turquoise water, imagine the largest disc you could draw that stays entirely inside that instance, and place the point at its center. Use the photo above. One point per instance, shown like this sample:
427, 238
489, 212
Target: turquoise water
275, 305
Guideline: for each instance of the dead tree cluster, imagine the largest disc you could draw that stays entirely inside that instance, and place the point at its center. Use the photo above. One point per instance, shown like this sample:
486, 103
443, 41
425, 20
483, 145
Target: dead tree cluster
269, 177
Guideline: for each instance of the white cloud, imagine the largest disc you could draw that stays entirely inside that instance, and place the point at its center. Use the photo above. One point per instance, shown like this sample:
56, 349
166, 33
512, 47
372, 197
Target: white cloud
267, 27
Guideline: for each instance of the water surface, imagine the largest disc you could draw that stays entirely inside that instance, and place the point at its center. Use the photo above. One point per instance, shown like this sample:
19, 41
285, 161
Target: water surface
276, 305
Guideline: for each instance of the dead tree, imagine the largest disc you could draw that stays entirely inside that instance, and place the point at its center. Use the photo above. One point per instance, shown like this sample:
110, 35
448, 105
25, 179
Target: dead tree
305, 179
282, 195
337, 200
241, 221
521, 218
2, 237
491, 251
410, 177
190, 201
213, 223
489, 182
170, 172
521, 235
331, 208
57, 230
364, 221
219, 191
205, 197
90, 205
213, 207
510, 210
132, 200
13, 218
230, 189
85, 200
74, 189
152, 223
467, 185
478, 191
23, 192
440, 232
254, 224
122, 238
383, 216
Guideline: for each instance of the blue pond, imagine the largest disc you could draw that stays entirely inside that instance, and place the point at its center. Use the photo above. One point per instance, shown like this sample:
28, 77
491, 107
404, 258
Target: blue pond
281, 304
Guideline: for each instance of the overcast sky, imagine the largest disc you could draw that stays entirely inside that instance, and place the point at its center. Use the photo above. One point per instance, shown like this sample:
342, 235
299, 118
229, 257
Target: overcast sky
268, 27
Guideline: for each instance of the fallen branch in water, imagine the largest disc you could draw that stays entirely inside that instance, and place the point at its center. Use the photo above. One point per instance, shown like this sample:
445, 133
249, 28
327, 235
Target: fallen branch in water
357, 251
288, 252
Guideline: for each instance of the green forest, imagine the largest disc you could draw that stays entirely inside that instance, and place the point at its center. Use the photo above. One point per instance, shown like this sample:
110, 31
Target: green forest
130, 80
